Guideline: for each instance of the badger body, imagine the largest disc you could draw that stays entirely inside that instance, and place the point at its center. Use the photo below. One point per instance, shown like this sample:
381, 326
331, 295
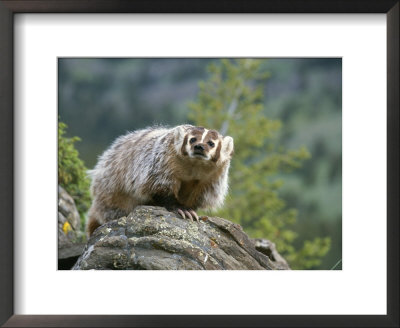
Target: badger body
183, 168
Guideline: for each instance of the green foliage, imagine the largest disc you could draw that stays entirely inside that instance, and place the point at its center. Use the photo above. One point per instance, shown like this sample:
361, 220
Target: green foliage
72, 172
231, 100
307, 96
115, 95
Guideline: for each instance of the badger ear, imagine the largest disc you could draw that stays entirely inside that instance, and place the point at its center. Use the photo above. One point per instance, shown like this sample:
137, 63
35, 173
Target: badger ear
227, 147
179, 136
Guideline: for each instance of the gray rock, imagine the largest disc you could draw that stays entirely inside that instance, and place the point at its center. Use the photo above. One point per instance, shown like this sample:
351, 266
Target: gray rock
151, 238
268, 248
71, 241
67, 209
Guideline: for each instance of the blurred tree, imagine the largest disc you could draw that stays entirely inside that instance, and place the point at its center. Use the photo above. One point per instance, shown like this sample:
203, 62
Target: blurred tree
72, 172
231, 100
306, 94
102, 98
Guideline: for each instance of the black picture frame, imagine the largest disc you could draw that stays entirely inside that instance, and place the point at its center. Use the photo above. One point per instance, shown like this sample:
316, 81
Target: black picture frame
10, 7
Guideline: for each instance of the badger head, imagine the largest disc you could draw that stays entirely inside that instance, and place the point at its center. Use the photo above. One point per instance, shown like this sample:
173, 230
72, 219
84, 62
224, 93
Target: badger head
202, 144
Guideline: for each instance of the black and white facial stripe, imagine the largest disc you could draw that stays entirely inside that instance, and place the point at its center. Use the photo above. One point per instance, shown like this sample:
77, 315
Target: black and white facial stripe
202, 143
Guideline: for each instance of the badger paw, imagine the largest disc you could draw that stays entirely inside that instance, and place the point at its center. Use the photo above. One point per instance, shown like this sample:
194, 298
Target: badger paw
188, 213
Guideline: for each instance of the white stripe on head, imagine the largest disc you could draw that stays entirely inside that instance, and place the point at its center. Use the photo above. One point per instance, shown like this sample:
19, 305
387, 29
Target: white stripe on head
204, 135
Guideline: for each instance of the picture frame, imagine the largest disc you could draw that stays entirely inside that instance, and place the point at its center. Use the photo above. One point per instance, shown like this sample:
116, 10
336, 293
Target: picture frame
7, 10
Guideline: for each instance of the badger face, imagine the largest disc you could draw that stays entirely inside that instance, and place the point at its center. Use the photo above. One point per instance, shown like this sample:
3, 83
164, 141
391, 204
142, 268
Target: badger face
203, 144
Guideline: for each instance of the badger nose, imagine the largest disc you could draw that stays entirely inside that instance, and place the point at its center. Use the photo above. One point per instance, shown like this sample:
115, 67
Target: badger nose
199, 147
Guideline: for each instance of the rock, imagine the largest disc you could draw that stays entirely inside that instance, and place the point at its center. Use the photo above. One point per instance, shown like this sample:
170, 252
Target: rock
67, 209
71, 241
151, 238
268, 248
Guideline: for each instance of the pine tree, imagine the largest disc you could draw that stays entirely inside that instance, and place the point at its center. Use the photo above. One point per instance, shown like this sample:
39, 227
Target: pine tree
231, 101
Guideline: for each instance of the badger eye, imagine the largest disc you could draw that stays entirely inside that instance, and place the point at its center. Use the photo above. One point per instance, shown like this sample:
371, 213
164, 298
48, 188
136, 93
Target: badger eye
211, 144
192, 140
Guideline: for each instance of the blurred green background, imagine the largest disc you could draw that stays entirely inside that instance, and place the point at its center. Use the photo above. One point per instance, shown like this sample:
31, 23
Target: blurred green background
100, 99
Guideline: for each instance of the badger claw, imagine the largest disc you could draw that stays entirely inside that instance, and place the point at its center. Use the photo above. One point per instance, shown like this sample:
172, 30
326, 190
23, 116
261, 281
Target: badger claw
195, 215
181, 213
190, 214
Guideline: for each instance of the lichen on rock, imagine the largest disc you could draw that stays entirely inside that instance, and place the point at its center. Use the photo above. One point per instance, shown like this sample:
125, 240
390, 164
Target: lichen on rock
151, 238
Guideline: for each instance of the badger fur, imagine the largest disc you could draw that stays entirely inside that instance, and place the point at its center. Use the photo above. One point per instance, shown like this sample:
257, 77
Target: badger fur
182, 168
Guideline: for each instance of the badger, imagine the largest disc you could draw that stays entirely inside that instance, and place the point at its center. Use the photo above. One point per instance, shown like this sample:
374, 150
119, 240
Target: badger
183, 169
